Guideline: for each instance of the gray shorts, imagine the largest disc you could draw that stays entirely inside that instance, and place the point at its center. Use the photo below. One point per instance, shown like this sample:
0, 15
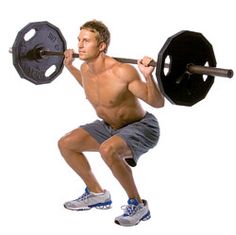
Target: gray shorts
140, 136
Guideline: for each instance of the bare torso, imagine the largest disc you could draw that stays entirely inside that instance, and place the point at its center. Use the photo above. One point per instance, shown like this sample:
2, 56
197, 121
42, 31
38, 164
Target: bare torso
109, 94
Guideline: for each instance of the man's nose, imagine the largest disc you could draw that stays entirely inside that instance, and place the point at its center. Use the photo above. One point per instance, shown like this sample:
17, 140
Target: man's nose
81, 45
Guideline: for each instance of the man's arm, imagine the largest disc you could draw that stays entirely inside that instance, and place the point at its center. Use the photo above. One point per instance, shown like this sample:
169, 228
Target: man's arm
68, 62
147, 91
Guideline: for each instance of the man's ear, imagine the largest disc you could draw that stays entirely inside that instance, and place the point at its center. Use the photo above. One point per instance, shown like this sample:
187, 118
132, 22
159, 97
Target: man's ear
102, 46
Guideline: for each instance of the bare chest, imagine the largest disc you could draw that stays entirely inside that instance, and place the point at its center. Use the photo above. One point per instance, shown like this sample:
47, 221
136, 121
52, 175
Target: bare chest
107, 91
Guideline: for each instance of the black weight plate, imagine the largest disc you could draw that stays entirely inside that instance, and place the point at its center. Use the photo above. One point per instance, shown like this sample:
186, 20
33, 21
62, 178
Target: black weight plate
177, 85
41, 35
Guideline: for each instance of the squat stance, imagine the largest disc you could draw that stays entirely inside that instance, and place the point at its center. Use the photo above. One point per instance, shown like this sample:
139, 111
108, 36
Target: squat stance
124, 130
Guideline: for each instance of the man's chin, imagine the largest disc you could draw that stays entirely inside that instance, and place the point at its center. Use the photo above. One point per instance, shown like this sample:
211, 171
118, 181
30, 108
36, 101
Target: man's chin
82, 57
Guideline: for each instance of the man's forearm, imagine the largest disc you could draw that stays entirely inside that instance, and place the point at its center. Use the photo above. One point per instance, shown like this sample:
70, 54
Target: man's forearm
75, 72
155, 97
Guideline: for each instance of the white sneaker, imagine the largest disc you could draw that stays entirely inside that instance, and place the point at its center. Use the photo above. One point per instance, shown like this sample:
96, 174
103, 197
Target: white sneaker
89, 200
134, 212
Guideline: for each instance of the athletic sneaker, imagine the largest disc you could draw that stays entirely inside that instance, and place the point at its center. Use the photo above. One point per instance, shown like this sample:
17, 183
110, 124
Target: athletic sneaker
134, 212
89, 200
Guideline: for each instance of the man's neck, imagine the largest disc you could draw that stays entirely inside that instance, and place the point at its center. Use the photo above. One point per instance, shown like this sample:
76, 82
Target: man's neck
97, 65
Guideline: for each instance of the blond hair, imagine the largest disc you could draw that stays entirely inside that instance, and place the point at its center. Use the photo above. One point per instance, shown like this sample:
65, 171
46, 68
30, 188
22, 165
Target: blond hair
101, 30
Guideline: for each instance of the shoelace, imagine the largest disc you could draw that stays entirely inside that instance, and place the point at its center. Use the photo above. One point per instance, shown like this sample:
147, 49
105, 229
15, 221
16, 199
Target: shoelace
83, 197
129, 210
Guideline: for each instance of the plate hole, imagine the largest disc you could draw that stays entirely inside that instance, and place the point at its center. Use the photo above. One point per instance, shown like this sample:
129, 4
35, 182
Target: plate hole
204, 77
29, 34
50, 71
167, 65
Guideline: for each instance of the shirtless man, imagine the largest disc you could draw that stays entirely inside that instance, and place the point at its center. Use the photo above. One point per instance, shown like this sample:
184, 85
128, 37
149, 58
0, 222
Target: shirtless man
124, 131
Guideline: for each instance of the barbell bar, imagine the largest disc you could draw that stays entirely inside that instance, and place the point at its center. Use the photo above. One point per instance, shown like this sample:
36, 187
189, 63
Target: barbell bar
191, 68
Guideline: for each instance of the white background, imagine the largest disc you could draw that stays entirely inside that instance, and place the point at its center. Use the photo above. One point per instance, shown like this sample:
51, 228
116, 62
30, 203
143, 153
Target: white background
189, 179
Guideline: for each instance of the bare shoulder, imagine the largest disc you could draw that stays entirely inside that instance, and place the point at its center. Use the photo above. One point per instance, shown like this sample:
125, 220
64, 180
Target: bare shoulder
83, 67
126, 71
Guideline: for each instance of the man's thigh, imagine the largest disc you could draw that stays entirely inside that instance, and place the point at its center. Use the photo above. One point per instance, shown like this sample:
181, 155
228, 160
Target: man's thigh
80, 140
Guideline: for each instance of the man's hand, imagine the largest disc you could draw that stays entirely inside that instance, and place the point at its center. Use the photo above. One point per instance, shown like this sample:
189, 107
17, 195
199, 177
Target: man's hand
144, 66
68, 57
68, 62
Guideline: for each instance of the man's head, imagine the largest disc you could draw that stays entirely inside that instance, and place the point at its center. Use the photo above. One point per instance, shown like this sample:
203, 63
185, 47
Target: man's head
101, 31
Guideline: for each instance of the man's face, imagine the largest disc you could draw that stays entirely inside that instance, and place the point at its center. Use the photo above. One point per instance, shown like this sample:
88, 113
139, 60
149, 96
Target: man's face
87, 45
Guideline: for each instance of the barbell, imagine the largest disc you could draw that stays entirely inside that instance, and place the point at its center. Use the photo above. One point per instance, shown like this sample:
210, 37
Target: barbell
185, 67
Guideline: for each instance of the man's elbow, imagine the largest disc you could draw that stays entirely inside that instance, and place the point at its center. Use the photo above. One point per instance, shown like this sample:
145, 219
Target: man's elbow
159, 103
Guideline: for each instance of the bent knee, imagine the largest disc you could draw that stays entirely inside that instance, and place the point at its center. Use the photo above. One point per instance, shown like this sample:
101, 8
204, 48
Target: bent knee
67, 142
63, 143
109, 154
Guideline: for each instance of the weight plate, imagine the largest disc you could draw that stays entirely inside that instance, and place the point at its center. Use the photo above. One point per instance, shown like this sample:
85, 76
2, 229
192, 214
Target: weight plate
32, 38
176, 83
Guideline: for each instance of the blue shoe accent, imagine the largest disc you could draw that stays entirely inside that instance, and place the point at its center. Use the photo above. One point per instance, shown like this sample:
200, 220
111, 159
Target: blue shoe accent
146, 217
134, 212
89, 200
104, 205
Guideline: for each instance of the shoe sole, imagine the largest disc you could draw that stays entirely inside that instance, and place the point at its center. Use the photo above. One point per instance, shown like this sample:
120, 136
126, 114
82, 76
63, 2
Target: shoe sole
100, 206
144, 218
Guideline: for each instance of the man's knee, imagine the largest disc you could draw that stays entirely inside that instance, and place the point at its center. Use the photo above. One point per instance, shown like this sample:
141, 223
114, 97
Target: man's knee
63, 143
68, 141
109, 153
